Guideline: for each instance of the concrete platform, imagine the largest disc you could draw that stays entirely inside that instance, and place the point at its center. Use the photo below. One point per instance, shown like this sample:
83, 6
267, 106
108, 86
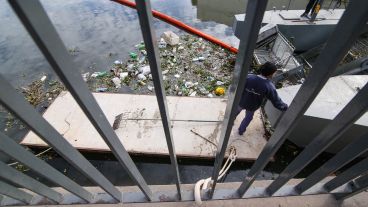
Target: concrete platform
196, 126
334, 96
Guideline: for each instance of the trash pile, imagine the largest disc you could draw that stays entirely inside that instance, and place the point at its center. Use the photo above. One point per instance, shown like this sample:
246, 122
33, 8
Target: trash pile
190, 67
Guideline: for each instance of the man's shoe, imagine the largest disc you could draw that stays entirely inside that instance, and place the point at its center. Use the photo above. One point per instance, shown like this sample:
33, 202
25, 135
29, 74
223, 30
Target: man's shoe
304, 15
240, 132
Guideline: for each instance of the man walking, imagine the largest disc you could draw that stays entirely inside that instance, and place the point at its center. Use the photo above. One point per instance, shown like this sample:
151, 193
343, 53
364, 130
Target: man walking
311, 4
257, 88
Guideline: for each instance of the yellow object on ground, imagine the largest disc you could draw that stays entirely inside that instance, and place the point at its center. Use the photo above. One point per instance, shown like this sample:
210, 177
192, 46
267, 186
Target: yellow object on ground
220, 91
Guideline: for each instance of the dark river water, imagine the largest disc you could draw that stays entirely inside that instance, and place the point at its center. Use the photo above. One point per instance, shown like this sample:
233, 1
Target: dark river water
100, 32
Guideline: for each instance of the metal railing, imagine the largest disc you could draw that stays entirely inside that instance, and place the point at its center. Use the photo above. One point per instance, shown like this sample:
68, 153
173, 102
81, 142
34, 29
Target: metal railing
41, 29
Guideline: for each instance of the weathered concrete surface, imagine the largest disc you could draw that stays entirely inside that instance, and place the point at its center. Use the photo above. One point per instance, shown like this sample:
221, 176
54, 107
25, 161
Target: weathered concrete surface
334, 96
140, 129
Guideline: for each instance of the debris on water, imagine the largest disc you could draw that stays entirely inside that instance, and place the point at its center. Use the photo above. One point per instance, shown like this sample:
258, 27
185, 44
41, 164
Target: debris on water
117, 82
162, 44
141, 77
170, 38
177, 76
123, 75
133, 55
118, 62
99, 74
145, 70
194, 93
220, 91
142, 59
85, 76
210, 95
219, 83
101, 89
165, 72
150, 88
43, 78
140, 46
188, 84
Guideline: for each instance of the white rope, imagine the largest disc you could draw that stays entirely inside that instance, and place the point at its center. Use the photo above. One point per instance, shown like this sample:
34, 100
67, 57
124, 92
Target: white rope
207, 183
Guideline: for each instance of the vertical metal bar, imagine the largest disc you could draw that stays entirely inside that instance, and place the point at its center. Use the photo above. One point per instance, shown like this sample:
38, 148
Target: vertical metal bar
253, 19
15, 193
345, 156
149, 37
316, 8
359, 185
10, 174
16, 103
349, 174
333, 131
39, 26
344, 34
14, 150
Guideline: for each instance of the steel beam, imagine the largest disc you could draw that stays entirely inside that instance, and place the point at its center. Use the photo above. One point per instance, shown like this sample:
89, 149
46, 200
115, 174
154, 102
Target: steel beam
332, 132
150, 42
337, 46
345, 156
349, 174
41, 29
10, 174
14, 150
358, 185
253, 19
15, 193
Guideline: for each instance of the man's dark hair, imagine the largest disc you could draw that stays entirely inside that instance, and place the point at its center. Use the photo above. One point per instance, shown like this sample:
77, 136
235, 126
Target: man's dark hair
268, 69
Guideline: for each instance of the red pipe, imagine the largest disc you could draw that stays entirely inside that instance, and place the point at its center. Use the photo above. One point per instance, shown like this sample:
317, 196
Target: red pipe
181, 25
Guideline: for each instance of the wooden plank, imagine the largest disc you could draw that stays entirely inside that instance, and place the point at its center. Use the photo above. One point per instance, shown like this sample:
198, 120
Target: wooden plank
197, 120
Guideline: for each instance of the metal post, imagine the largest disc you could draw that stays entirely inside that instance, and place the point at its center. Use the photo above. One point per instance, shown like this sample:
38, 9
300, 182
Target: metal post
345, 34
16, 103
316, 9
10, 174
345, 156
333, 131
150, 41
253, 19
14, 150
39, 26
288, 5
15, 193
349, 174
358, 185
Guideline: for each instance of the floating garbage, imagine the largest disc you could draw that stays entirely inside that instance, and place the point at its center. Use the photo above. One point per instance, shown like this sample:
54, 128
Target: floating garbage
141, 77
118, 62
170, 38
177, 76
117, 82
133, 55
123, 75
162, 43
85, 76
102, 89
140, 46
165, 72
145, 70
180, 48
43, 78
219, 83
150, 88
142, 59
98, 74
198, 59
130, 67
219, 91
188, 84
194, 93
210, 95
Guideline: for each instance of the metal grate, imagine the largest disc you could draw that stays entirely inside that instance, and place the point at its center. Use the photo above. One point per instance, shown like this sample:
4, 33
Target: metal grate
41, 29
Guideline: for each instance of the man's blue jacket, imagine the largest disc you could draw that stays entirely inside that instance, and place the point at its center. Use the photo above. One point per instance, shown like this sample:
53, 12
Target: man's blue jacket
257, 88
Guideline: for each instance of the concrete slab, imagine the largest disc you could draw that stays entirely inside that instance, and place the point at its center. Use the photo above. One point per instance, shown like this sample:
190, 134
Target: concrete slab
140, 129
334, 96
